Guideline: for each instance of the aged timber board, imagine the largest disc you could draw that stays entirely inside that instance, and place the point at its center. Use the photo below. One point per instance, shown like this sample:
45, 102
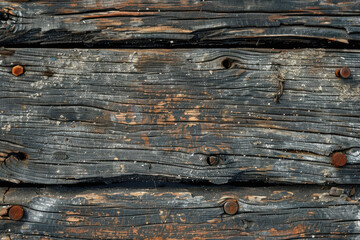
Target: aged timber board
90, 115
296, 212
165, 23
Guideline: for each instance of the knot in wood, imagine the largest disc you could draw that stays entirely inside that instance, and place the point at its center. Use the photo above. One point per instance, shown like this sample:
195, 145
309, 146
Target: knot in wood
213, 160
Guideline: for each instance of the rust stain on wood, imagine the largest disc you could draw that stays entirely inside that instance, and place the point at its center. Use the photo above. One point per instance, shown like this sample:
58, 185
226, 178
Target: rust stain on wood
166, 29
193, 114
298, 230
145, 138
274, 17
74, 219
92, 197
118, 14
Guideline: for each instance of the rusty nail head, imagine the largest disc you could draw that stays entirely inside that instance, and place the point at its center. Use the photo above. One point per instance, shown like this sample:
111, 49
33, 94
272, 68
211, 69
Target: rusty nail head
17, 70
231, 206
16, 213
213, 160
338, 159
343, 72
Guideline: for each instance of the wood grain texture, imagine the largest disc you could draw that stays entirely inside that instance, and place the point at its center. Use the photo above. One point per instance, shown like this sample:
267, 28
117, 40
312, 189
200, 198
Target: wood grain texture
96, 115
172, 23
180, 213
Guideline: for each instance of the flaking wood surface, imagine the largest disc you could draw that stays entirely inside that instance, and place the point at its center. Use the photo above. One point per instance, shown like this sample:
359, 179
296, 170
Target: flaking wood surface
172, 23
92, 115
180, 213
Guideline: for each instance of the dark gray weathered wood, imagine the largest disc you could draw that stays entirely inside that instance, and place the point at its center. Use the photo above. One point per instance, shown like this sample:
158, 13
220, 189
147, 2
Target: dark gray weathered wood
91, 115
180, 213
173, 23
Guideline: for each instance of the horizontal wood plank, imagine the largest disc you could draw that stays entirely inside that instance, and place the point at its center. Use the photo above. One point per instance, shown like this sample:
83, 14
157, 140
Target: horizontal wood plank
96, 115
173, 23
181, 213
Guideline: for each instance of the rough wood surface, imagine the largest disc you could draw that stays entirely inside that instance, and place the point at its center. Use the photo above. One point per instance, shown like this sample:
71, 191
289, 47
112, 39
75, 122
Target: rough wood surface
84, 115
105, 115
172, 23
181, 213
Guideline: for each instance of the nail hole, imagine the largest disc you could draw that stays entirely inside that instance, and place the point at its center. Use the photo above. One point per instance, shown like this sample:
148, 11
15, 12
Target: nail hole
227, 63
20, 155
4, 16
213, 160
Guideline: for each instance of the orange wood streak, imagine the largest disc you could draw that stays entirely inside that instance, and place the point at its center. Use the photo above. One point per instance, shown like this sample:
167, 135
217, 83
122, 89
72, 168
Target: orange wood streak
117, 14
297, 230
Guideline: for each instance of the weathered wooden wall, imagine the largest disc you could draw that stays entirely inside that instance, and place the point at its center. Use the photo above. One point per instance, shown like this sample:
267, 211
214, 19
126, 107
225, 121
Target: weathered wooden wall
192, 91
